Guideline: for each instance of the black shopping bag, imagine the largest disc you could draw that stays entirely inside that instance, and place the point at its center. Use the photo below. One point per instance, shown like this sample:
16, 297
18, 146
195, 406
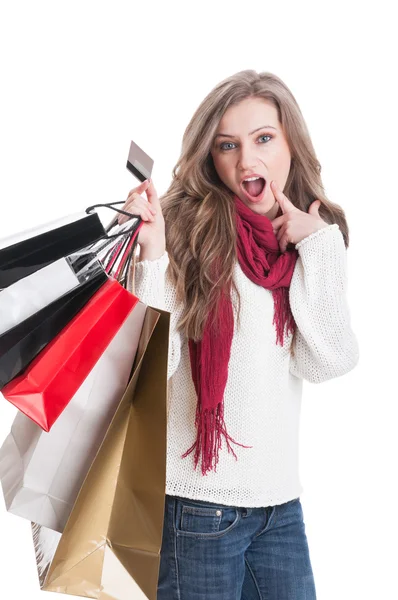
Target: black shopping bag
21, 258
21, 344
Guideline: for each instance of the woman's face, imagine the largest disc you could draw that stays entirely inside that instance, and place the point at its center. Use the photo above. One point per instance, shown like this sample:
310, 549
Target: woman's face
254, 143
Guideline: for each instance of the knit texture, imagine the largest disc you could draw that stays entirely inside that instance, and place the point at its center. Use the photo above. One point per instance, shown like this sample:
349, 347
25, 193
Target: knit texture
262, 399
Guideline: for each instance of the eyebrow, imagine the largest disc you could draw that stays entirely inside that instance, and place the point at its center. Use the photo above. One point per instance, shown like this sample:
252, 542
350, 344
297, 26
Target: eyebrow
251, 132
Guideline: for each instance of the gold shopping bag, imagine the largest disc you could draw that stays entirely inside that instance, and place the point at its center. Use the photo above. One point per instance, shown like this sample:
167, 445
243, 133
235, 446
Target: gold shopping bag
110, 547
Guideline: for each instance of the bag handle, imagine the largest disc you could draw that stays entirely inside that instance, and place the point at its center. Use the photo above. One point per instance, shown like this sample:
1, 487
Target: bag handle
111, 205
124, 249
108, 251
130, 249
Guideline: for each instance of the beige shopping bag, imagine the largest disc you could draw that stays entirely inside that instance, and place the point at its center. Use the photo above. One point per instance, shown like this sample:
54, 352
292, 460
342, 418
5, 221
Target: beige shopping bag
110, 546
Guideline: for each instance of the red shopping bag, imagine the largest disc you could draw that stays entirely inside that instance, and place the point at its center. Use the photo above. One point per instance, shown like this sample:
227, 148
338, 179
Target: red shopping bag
51, 380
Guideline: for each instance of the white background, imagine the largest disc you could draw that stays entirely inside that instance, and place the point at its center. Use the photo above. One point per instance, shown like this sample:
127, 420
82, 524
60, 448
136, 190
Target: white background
81, 79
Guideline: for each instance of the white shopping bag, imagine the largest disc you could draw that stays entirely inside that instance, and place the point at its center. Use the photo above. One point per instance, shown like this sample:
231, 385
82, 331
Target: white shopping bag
27, 296
41, 472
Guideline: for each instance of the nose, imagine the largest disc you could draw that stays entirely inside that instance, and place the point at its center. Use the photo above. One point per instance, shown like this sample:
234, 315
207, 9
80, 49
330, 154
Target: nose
248, 159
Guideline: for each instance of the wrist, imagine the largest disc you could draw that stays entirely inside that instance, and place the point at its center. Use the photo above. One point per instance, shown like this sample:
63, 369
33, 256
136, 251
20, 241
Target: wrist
153, 253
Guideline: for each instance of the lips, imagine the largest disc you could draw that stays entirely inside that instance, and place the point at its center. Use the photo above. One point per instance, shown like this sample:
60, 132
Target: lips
254, 197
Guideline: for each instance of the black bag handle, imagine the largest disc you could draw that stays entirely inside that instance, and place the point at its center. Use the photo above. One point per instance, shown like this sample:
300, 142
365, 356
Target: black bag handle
110, 205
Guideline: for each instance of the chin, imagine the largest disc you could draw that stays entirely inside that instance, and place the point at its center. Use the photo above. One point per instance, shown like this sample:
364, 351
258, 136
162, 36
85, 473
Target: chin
262, 208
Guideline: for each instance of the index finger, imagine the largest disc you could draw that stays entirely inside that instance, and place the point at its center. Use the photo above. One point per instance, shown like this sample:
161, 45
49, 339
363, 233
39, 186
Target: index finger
152, 194
140, 188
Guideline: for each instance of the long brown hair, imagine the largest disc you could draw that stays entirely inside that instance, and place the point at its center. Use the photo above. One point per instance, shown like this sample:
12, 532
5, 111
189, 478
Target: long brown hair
198, 208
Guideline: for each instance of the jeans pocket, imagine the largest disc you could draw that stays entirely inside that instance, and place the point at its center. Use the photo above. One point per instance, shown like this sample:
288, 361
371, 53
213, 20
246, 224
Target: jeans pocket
204, 521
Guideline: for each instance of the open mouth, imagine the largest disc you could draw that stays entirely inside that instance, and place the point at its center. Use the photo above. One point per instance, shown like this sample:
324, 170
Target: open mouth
253, 189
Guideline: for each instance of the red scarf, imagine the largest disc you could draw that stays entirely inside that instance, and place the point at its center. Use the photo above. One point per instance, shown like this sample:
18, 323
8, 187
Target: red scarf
262, 262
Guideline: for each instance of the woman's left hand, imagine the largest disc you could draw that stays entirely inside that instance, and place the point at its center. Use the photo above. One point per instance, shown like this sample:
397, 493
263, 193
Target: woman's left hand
294, 224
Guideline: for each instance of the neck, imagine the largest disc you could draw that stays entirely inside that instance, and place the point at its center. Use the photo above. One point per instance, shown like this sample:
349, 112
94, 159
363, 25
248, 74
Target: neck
275, 211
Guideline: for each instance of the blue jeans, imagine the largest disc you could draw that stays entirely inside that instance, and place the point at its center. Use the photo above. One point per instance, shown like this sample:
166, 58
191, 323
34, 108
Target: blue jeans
217, 552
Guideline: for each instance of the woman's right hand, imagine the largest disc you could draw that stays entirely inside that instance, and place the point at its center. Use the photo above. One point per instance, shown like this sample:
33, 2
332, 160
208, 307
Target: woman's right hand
151, 236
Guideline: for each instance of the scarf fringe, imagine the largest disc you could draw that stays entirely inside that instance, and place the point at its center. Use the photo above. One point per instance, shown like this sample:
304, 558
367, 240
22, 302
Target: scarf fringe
282, 314
210, 429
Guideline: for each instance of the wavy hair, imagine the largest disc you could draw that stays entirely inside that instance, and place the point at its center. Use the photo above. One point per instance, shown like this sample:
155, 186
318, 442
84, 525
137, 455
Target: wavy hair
198, 208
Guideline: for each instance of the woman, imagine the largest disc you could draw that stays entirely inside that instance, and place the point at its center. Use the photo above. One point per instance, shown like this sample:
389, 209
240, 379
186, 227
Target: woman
254, 276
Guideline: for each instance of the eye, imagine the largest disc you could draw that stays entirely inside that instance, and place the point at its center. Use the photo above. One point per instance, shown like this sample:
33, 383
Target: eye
222, 148
265, 135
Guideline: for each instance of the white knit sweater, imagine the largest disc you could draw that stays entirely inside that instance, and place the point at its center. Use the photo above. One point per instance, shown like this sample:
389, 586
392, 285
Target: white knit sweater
262, 399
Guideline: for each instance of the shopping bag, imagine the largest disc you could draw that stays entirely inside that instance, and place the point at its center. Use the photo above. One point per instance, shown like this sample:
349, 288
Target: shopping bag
41, 473
25, 253
21, 344
110, 546
27, 296
48, 384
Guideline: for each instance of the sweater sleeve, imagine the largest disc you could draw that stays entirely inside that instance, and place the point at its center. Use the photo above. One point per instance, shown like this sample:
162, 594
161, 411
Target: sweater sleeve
152, 286
326, 347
